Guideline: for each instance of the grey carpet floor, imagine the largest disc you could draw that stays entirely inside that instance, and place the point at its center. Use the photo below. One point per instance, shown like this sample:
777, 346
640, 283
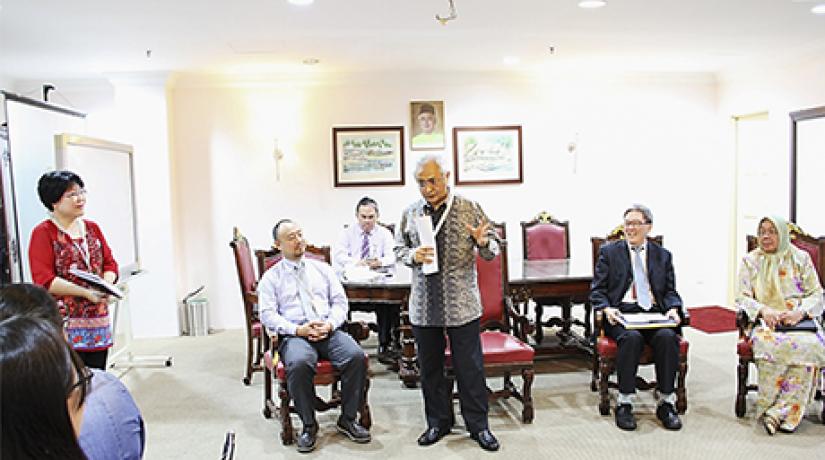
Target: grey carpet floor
189, 407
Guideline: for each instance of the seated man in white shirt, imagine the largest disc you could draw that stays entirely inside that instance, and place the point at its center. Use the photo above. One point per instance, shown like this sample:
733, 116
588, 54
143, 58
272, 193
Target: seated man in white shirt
303, 302
371, 245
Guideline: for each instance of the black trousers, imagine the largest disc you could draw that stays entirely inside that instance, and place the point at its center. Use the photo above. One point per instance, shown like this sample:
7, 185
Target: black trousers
665, 344
388, 319
94, 359
300, 356
468, 365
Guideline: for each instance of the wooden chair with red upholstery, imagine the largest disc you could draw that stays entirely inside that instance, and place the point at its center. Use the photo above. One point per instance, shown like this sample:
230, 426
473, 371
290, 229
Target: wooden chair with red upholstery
545, 238
604, 357
268, 257
255, 341
325, 374
815, 247
504, 332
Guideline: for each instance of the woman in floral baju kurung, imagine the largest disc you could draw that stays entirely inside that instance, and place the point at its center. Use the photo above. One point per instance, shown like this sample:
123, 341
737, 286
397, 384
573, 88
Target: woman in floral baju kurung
66, 241
778, 285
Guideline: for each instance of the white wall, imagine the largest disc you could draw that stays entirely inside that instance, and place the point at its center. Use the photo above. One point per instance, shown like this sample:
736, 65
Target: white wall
648, 138
778, 89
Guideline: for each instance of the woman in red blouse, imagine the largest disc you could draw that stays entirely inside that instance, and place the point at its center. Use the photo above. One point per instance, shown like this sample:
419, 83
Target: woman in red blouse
65, 241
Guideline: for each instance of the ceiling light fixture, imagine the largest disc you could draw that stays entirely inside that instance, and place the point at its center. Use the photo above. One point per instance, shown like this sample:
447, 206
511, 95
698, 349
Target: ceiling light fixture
592, 4
453, 14
818, 9
301, 2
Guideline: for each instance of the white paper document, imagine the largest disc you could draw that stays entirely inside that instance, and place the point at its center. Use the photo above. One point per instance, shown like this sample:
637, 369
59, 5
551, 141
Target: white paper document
645, 320
424, 225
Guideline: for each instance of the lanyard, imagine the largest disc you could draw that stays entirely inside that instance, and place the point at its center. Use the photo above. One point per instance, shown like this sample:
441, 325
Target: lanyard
83, 249
83, 246
444, 216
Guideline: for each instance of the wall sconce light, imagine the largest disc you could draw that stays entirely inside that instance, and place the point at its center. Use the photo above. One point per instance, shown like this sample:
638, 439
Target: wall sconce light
573, 149
278, 155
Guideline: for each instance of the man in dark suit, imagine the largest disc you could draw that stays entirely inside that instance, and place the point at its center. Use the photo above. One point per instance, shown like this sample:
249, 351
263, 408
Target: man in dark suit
634, 276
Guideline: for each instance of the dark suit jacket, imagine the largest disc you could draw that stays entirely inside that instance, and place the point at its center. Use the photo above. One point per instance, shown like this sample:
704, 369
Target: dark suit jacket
614, 274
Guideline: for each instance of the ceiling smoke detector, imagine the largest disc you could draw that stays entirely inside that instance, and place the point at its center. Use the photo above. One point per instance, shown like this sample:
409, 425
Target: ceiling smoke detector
592, 4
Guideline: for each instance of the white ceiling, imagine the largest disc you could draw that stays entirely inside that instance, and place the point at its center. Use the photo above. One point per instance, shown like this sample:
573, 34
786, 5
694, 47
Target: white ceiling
87, 38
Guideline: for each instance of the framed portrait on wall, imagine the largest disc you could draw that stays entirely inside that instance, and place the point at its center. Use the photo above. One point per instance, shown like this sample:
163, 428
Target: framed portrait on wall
487, 155
368, 155
427, 125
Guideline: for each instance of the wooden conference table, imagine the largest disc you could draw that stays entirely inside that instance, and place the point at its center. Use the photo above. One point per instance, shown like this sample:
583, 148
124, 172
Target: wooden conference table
543, 278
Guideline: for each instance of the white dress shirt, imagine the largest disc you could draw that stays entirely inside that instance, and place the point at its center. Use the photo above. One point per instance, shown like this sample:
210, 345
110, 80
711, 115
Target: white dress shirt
348, 250
628, 296
279, 299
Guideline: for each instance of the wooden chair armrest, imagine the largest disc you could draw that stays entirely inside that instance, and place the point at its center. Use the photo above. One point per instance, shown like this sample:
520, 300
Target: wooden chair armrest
598, 323
522, 326
743, 323
273, 340
359, 330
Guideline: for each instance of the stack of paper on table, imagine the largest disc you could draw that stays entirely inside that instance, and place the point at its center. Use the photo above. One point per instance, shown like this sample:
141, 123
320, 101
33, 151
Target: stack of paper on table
361, 274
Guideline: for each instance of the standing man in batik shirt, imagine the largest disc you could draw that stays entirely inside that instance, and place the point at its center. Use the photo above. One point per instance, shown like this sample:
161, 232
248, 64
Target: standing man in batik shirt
447, 302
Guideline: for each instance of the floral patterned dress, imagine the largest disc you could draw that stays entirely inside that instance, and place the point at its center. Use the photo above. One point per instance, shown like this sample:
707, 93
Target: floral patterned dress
788, 363
52, 253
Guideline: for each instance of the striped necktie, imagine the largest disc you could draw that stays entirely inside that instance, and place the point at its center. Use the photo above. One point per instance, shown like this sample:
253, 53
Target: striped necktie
365, 246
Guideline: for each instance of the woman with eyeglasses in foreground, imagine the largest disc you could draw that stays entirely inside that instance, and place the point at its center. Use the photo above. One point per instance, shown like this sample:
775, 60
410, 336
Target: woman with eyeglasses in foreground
64, 241
44, 386
112, 425
779, 289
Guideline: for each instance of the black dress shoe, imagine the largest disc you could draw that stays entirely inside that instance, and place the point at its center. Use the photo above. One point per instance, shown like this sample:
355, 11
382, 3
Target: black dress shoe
667, 414
432, 436
352, 430
624, 417
486, 440
306, 441
385, 355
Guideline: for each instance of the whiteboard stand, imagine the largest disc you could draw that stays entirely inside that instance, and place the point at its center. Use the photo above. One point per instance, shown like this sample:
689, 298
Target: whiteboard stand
122, 359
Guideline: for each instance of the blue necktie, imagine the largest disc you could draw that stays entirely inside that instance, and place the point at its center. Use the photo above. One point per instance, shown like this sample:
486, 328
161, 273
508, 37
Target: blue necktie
640, 280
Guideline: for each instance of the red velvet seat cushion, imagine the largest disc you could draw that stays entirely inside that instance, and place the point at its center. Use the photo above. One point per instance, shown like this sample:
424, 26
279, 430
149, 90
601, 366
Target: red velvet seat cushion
500, 348
744, 349
256, 328
324, 366
607, 347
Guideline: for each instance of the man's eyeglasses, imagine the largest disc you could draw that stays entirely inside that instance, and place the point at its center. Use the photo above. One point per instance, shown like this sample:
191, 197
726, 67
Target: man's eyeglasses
634, 223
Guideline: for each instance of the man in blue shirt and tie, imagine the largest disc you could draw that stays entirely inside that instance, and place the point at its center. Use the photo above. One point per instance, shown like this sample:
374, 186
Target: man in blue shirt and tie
303, 302
634, 276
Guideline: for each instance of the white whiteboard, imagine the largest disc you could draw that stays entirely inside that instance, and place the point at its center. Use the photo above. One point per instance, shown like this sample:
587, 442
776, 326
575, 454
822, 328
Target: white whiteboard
107, 173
